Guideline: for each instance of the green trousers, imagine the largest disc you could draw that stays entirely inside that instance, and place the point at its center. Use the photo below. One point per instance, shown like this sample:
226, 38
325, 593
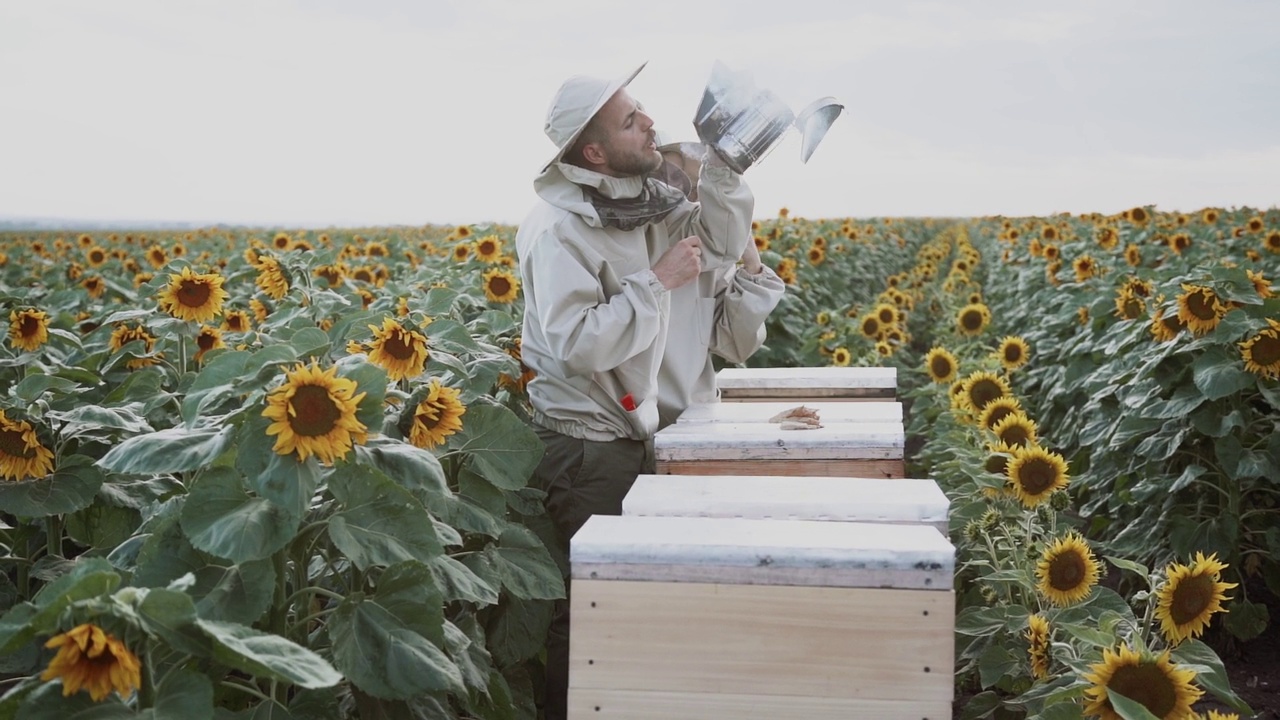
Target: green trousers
581, 478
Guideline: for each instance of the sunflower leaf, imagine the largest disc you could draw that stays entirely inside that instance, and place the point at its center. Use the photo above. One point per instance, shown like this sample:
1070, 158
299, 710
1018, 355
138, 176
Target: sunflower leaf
458, 582
184, 694
498, 445
1209, 672
268, 656
35, 385
69, 488
1129, 709
411, 467
171, 450
1219, 373
213, 385
381, 523
219, 517
386, 658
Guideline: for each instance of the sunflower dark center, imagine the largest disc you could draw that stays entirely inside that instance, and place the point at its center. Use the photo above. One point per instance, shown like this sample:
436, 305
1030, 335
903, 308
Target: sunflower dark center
97, 256
12, 444
1015, 435
1139, 215
1133, 308
314, 411
983, 392
870, 326
940, 366
429, 414
1067, 570
364, 275
194, 293
1265, 350
998, 464
397, 346
1192, 598
1203, 304
235, 323
886, 315
1036, 475
1147, 685
1172, 323
971, 320
30, 326
486, 247
1013, 353
499, 285
206, 341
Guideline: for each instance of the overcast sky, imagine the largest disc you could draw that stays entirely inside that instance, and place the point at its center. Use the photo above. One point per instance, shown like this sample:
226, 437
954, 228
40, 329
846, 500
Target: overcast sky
372, 112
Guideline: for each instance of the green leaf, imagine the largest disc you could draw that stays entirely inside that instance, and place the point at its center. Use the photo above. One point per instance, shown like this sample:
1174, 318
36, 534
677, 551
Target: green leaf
240, 592
101, 525
310, 342
408, 591
1219, 374
1247, 620
168, 451
521, 563
1096, 638
184, 694
1129, 565
48, 703
102, 422
409, 466
268, 656
1188, 476
381, 523
372, 381
221, 518
996, 662
35, 385
1129, 709
287, 482
457, 582
384, 657
16, 629
1209, 672
71, 486
517, 629
1062, 711
469, 653
499, 446
214, 384
87, 578
170, 615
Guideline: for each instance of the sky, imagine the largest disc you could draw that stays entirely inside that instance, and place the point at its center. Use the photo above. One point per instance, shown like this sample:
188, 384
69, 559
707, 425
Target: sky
411, 112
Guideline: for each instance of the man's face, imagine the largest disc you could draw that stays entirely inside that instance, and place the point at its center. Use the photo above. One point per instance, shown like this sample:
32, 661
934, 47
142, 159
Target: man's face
629, 141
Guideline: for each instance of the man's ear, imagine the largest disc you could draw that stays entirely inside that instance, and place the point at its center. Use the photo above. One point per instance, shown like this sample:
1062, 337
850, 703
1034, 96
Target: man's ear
593, 153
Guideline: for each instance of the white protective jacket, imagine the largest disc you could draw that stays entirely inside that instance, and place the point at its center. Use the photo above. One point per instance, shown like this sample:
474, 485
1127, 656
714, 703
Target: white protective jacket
596, 318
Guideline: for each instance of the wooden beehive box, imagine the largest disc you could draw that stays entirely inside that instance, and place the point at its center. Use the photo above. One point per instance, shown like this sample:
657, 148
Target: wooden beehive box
828, 412
692, 618
825, 383
840, 499
836, 449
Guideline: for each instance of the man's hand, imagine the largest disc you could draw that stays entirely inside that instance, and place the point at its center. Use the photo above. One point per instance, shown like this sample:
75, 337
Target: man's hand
680, 264
751, 258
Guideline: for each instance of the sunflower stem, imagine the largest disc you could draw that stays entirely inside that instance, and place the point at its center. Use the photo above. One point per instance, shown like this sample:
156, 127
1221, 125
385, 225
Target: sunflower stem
182, 353
147, 693
246, 689
53, 535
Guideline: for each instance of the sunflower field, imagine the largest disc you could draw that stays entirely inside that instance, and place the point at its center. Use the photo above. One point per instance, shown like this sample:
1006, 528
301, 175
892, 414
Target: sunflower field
284, 474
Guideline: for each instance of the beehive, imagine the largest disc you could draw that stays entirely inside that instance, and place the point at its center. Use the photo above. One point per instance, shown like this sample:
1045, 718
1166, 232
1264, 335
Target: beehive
683, 618
825, 383
840, 499
765, 410
837, 449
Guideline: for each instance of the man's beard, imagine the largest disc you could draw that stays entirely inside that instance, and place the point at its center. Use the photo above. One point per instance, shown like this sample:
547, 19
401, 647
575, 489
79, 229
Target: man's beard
627, 164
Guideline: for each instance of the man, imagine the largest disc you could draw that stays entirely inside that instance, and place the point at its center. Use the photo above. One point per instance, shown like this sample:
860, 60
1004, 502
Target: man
600, 254
730, 307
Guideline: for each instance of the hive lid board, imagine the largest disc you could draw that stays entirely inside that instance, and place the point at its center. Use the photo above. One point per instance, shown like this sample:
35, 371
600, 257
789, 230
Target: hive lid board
841, 499
809, 377
765, 552
767, 441
828, 412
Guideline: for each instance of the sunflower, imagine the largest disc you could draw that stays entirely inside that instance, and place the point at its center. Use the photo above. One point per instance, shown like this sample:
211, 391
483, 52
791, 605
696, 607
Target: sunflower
28, 329
841, 357
90, 659
1200, 309
1035, 474
1260, 284
376, 249
1015, 429
884, 349
1209, 216
1165, 328
96, 256
314, 413
332, 274
888, 314
85, 241
973, 318
762, 243
1051, 252
193, 296
488, 248
21, 453
941, 365
236, 321
1137, 216
1012, 353
271, 277
997, 410
817, 255
1261, 353
997, 463
437, 415
157, 257
281, 241
1272, 241
1038, 646
1189, 597
516, 351
501, 286
982, 387
401, 352
870, 326
1085, 267
94, 285
1149, 680
1107, 237
1255, 224
1179, 243
1049, 232
209, 338
1133, 255
1128, 305
461, 251
123, 335
1067, 571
